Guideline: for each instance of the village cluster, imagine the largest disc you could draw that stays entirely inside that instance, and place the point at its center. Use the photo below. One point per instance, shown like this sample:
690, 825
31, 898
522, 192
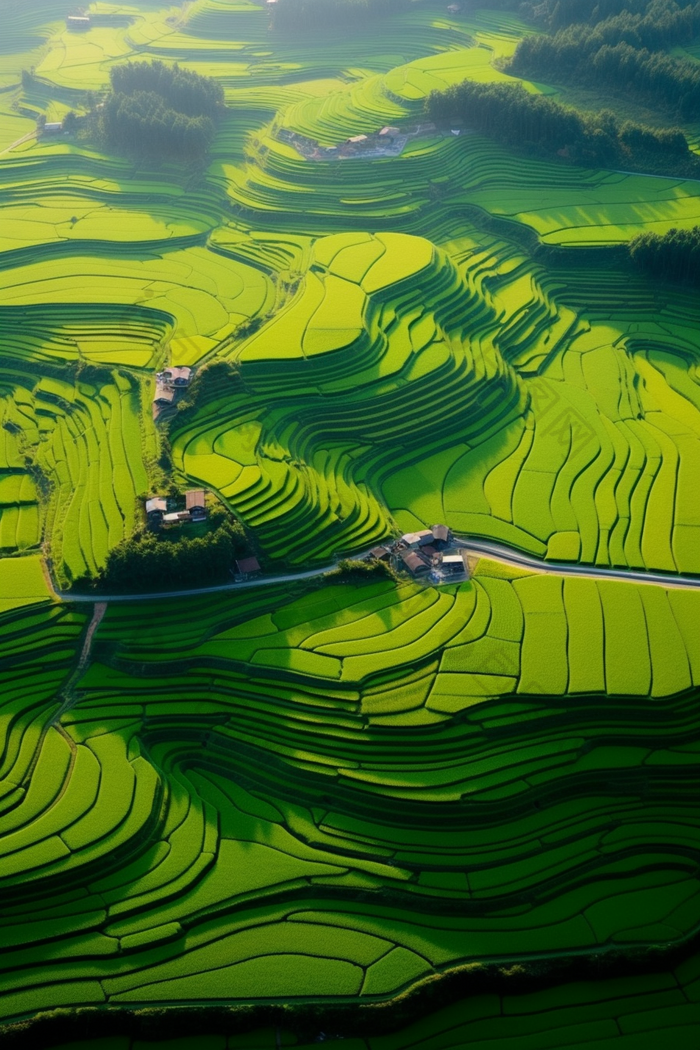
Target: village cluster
170, 383
167, 512
430, 554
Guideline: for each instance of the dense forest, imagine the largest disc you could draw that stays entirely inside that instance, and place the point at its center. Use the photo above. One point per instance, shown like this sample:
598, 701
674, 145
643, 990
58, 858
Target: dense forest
160, 112
621, 52
172, 561
509, 114
557, 14
674, 255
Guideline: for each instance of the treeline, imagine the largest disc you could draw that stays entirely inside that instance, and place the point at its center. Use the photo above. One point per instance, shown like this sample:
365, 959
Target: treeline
290, 14
620, 53
171, 562
160, 112
663, 24
184, 91
557, 14
674, 256
509, 114
216, 380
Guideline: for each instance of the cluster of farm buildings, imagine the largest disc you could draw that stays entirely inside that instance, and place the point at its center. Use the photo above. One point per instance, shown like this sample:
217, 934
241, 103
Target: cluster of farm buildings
386, 142
162, 513
167, 512
430, 554
170, 383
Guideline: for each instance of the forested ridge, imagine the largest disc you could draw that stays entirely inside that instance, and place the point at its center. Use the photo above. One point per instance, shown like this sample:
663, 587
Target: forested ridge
674, 255
623, 52
159, 111
557, 14
510, 114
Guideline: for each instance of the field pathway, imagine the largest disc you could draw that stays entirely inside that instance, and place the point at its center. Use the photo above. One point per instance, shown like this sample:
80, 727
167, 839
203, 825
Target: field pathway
498, 551
25, 138
67, 696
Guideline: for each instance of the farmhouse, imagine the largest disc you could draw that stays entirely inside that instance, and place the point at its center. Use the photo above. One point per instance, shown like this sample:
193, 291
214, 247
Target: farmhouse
442, 537
78, 23
177, 517
249, 566
156, 507
53, 127
414, 540
453, 564
415, 563
177, 377
165, 395
195, 504
380, 553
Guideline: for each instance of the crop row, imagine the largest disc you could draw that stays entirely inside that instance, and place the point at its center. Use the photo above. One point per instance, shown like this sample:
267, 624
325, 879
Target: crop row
201, 820
637, 1011
86, 440
391, 379
372, 351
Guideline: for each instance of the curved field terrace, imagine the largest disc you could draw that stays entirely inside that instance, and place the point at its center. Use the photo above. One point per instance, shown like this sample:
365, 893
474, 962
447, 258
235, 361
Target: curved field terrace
317, 793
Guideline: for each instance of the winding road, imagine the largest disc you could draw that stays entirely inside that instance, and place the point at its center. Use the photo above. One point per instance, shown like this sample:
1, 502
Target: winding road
509, 556
497, 551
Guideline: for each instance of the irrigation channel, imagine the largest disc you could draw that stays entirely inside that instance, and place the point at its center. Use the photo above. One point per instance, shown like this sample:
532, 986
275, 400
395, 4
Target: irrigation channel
497, 551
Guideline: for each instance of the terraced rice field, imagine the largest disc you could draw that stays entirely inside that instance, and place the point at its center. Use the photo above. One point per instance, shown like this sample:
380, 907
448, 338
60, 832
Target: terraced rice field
240, 774
318, 792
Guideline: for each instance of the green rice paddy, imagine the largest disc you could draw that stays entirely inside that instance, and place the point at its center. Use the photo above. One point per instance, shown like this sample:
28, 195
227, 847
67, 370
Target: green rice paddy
325, 792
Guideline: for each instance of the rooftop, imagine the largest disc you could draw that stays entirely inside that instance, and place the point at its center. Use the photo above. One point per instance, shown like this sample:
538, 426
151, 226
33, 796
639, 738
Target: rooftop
157, 504
248, 565
173, 373
176, 517
164, 393
195, 498
414, 563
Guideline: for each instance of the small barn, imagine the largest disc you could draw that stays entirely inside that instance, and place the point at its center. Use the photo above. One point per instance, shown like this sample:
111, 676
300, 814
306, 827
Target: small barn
249, 566
196, 504
454, 564
442, 536
177, 517
52, 127
415, 564
78, 23
165, 395
380, 553
414, 540
175, 376
156, 507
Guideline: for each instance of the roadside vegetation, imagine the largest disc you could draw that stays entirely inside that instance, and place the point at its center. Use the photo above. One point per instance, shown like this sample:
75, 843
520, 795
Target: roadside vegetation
167, 561
674, 255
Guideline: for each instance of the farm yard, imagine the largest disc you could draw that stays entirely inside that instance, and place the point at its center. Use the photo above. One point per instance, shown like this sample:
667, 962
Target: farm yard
345, 805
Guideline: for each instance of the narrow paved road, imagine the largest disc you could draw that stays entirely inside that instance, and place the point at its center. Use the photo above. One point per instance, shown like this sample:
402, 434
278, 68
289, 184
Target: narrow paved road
508, 556
497, 551
261, 581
